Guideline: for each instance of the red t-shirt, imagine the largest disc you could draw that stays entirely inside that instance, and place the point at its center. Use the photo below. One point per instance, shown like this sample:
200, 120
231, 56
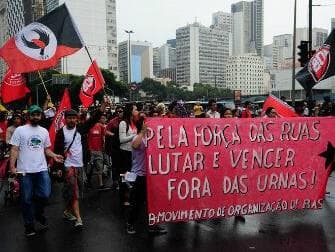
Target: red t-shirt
3, 127
96, 137
246, 113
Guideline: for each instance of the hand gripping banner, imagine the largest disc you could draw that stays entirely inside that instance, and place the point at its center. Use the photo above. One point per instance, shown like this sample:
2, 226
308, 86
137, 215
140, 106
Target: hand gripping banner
213, 168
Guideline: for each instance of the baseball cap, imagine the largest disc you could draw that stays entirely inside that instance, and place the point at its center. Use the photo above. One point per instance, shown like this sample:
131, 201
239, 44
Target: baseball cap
70, 112
34, 109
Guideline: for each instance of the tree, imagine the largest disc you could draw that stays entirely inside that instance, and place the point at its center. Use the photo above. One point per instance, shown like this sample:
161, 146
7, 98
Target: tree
112, 87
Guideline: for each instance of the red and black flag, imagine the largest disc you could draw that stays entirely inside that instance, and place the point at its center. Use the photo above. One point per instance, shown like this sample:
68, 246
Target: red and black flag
13, 87
320, 67
40, 44
58, 121
92, 84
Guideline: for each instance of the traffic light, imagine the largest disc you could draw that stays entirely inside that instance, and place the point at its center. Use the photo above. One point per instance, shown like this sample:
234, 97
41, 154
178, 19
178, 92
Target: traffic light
304, 54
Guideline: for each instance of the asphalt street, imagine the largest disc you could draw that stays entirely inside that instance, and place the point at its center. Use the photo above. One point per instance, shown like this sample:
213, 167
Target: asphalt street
104, 230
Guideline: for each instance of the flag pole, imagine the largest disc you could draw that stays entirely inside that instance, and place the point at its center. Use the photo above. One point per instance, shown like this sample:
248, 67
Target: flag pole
45, 88
89, 55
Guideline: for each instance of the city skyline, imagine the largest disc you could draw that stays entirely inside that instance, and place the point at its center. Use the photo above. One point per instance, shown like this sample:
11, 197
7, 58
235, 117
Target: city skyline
161, 19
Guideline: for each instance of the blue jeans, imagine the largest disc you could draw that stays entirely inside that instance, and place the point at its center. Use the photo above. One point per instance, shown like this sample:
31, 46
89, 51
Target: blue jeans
34, 187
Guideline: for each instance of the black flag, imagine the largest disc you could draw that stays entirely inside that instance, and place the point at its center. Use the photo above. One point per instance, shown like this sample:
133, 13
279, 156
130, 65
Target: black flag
320, 67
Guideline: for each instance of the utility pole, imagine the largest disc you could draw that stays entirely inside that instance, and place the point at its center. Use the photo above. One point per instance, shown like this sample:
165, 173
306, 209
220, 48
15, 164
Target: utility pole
310, 26
294, 52
129, 60
310, 38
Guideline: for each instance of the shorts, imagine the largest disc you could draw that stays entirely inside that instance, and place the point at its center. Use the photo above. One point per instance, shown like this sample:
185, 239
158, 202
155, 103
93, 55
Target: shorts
70, 189
97, 161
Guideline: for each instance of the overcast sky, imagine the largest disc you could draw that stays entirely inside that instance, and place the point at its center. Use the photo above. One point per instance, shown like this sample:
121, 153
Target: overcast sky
157, 20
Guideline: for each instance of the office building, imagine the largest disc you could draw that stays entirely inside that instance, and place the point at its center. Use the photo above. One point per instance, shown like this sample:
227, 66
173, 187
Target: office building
282, 50
96, 21
319, 36
223, 21
248, 30
156, 61
141, 61
201, 54
246, 73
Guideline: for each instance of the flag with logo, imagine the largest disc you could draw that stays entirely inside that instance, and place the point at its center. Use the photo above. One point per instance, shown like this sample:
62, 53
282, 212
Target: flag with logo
58, 121
282, 108
40, 44
13, 87
320, 67
92, 84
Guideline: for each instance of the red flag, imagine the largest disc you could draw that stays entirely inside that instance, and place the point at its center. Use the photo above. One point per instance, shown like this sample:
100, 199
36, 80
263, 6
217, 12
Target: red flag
92, 84
282, 108
58, 121
13, 87
40, 44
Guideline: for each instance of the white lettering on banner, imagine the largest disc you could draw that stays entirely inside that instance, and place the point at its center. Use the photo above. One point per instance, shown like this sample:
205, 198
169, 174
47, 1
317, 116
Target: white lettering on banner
232, 210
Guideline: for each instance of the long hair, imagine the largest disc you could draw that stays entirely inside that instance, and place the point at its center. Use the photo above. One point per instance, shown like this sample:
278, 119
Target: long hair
128, 113
139, 124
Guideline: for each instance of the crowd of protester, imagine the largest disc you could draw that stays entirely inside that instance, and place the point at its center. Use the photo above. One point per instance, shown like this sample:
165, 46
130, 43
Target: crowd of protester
107, 142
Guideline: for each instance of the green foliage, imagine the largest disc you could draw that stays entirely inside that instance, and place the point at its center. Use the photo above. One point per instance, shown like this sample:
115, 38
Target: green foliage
172, 91
112, 87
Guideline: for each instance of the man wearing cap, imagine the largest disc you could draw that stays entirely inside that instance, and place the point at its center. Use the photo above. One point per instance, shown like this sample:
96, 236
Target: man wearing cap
30, 144
68, 142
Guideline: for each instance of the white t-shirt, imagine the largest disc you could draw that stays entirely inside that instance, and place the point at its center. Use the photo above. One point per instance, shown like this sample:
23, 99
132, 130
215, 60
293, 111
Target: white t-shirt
213, 114
32, 142
75, 154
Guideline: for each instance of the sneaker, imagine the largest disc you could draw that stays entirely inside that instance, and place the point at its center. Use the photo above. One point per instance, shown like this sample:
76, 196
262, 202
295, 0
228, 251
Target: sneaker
69, 216
29, 230
43, 222
157, 230
130, 229
78, 224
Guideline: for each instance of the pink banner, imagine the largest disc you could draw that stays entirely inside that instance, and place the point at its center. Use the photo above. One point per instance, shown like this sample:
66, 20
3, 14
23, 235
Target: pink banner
213, 168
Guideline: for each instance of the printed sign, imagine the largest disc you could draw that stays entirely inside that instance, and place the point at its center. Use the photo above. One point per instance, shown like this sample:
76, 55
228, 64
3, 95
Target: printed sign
212, 168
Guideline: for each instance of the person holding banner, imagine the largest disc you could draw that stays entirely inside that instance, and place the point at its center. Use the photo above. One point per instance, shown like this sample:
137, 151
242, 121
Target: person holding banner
138, 172
271, 113
212, 112
246, 112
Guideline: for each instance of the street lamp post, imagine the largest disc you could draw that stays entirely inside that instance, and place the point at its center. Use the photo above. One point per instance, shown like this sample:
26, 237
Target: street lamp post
294, 52
129, 32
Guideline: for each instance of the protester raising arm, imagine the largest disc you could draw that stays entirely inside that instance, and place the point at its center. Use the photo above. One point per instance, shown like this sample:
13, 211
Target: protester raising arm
85, 127
139, 138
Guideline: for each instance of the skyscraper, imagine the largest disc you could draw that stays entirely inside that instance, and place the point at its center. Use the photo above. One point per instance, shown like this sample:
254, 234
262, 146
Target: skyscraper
319, 36
248, 27
156, 61
201, 55
96, 21
167, 56
223, 20
141, 61
282, 49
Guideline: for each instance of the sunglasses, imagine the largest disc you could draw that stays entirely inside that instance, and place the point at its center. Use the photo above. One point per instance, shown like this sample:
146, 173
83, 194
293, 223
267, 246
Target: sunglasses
119, 111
